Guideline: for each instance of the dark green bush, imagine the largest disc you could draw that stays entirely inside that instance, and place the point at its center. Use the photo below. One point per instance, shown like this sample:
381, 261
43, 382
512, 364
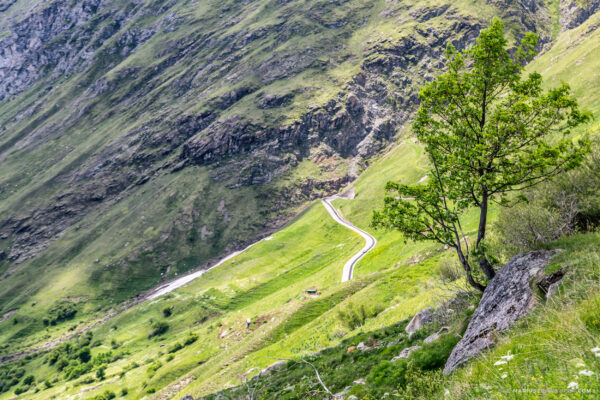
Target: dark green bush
29, 380
176, 347
353, 316
167, 311
85, 354
75, 370
60, 312
191, 338
158, 328
107, 395
101, 373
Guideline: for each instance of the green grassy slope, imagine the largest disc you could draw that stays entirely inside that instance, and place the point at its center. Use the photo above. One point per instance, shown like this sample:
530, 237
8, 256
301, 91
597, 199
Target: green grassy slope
265, 284
87, 161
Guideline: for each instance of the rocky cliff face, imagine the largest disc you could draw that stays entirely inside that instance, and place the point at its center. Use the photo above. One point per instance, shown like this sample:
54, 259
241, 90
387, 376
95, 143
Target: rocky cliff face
102, 101
574, 13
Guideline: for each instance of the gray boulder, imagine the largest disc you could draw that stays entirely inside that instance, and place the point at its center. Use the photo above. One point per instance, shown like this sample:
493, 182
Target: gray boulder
422, 318
507, 298
405, 353
437, 335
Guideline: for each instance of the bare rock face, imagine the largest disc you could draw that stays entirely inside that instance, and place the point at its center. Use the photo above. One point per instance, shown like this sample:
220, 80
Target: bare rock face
507, 298
574, 13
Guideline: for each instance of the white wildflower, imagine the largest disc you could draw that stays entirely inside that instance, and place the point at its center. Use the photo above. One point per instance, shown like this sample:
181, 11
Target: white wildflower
508, 356
596, 350
500, 362
573, 385
504, 375
586, 372
580, 365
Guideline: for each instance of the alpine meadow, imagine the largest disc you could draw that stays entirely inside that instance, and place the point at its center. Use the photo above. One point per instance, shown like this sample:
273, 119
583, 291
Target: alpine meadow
299, 199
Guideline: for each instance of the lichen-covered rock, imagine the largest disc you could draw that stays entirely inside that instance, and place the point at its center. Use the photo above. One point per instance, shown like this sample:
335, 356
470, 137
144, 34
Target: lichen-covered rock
422, 318
508, 297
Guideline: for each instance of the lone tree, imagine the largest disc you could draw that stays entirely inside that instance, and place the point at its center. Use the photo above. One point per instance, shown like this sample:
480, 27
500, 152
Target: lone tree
487, 132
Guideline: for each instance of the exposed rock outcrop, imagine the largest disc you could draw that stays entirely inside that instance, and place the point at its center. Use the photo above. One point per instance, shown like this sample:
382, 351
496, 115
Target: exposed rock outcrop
422, 318
508, 297
574, 12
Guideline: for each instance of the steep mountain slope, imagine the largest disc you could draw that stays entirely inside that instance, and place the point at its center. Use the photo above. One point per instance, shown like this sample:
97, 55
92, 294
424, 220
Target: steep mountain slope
141, 139
122, 168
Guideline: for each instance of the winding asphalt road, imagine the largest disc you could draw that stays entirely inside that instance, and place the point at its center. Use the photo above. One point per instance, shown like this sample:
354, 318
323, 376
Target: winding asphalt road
370, 241
347, 274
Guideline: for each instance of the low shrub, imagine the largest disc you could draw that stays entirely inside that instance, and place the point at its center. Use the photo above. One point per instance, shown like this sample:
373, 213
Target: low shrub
176, 347
158, 328
191, 338
107, 395
60, 312
353, 316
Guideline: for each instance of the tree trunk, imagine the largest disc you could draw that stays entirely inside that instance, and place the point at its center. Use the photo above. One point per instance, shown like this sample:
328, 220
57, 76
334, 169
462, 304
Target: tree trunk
468, 271
484, 264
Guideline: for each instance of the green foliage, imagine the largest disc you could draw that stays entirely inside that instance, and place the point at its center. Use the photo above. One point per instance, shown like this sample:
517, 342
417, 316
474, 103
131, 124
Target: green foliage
153, 368
388, 375
552, 345
176, 347
486, 133
101, 373
60, 312
422, 385
29, 380
85, 354
434, 355
190, 338
106, 395
74, 370
10, 374
158, 328
167, 311
353, 316
562, 206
